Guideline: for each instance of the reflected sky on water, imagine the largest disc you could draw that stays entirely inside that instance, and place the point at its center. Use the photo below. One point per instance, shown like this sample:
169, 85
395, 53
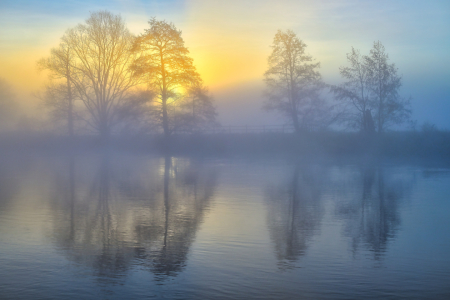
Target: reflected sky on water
123, 226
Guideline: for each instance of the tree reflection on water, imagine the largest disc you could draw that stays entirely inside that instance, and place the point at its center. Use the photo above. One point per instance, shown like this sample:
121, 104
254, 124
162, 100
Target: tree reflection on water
372, 218
366, 199
116, 213
295, 212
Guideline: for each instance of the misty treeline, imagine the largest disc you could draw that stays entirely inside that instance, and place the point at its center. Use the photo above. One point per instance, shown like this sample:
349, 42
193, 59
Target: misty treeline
368, 100
105, 80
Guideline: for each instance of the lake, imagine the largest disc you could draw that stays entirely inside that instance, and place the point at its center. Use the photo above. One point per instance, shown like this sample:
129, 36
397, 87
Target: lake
128, 226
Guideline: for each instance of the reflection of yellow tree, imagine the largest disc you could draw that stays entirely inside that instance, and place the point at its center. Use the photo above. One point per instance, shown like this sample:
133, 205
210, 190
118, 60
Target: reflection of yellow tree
186, 193
121, 218
295, 213
373, 218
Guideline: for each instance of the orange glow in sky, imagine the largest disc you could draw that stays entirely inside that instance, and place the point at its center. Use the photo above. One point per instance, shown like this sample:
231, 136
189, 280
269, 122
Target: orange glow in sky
230, 40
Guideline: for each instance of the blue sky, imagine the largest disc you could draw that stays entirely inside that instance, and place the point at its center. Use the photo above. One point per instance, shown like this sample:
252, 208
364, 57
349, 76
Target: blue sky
230, 42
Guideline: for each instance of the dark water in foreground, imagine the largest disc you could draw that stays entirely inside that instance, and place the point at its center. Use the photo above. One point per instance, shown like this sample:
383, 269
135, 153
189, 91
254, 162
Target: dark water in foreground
139, 227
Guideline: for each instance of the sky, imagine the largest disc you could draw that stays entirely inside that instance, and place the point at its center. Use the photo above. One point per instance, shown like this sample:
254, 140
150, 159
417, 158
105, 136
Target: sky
230, 42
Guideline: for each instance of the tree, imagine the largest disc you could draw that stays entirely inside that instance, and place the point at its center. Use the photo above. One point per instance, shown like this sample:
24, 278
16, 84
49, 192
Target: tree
168, 69
102, 75
60, 97
197, 109
390, 107
56, 98
356, 92
372, 85
294, 84
134, 113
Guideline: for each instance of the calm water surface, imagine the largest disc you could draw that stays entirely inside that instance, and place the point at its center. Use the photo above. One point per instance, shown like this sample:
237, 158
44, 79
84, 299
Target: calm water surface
141, 227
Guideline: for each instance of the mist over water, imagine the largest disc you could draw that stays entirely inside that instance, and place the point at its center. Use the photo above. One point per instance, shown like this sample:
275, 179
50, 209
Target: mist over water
224, 149
109, 226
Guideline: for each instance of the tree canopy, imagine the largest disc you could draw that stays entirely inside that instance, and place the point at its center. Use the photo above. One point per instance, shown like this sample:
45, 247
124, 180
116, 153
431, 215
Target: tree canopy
101, 68
372, 85
294, 84
165, 64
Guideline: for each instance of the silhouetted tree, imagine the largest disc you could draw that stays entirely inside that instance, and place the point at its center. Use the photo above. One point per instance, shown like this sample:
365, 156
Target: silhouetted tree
60, 97
428, 127
390, 108
372, 85
197, 110
356, 92
294, 84
102, 59
165, 63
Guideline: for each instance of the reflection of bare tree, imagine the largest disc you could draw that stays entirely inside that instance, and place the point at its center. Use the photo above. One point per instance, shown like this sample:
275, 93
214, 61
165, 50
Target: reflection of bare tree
373, 218
128, 213
295, 213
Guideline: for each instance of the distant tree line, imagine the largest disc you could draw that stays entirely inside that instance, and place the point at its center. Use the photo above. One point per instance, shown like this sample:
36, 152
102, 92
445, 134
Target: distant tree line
105, 79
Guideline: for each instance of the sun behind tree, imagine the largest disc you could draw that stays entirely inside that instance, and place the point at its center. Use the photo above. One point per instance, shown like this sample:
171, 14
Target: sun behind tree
165, 63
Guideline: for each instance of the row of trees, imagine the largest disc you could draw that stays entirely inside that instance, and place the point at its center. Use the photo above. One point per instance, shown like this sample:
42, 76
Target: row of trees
368, 100
106, 79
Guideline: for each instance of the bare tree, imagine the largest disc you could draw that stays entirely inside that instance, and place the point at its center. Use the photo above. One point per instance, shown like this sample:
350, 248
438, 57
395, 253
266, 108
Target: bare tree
390, 107
165, 63
294, 84
355, 92
60, 97
102, 75
372, 85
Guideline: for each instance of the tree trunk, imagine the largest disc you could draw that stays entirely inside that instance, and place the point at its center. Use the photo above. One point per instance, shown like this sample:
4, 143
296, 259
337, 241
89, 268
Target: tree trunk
368, 125
164, 99
294, 110
380, 125
165, 117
